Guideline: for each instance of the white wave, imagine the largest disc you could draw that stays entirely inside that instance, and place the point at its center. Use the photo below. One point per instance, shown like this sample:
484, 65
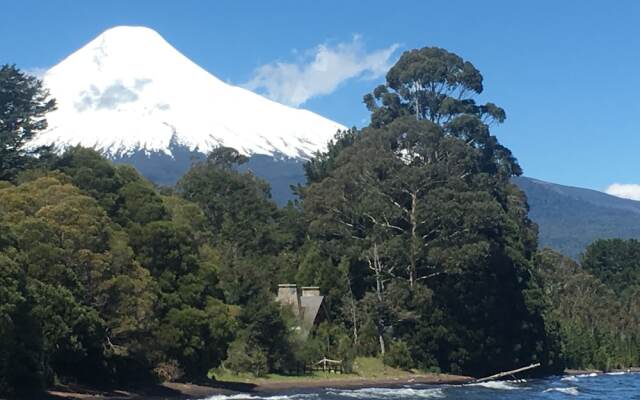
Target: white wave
500, 385
384, 393
250, 397
591, 375
231, 397
578, 376
617, 373
573, 391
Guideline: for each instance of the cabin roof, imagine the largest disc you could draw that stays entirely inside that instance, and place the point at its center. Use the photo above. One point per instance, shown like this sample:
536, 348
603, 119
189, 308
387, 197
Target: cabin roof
311, 306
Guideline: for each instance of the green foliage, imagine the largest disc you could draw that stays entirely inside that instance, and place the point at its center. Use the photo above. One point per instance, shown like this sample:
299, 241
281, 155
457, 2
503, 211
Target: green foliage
196, 338
319, 167
237, 205
264, 326
616, 263
398, 356
22, 364
23, 104
94, 175
421, 202
436, 85
410, 219
410, 226
597, 325
111, 280
317, 269
140, 204
226, 158
84, 285
245, 357
430, 83
331, 341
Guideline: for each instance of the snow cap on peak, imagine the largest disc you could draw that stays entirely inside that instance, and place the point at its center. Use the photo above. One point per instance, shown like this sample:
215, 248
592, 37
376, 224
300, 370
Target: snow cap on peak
133, 42
130, 32
129, 90
137, 37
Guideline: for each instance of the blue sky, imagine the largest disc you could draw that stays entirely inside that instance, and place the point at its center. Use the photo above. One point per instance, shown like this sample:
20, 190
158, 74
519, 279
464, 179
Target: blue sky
567, 72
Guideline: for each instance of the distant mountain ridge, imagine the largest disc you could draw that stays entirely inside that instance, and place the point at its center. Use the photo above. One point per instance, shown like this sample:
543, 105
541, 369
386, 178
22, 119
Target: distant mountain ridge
570, 218
166, 169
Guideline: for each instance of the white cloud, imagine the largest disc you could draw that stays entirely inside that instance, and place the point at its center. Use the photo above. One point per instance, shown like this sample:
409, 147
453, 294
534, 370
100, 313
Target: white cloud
321, 72
624, 190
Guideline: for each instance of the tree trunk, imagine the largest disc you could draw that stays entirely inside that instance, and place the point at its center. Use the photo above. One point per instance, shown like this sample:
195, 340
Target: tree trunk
412, 253
354, 319
377, 268
352, 305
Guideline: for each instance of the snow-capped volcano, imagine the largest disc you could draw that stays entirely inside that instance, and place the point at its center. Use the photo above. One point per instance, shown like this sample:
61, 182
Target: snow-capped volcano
129, 91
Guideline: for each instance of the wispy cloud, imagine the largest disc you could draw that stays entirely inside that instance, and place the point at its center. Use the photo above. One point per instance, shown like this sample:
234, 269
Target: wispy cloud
320, 71
624, 190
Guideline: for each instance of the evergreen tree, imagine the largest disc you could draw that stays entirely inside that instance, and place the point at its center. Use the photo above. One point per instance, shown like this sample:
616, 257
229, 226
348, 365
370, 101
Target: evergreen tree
423, 196
616, 263
23, 105
237, 205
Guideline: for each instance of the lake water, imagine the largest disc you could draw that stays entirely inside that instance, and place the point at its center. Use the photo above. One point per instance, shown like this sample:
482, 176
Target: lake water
613, 386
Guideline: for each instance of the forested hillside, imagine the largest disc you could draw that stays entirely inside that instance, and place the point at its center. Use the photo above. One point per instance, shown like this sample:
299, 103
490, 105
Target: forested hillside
570, 218
411, 227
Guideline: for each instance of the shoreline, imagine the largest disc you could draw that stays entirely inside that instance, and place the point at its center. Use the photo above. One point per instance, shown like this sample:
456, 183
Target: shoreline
173, 390
359, 383
266, 387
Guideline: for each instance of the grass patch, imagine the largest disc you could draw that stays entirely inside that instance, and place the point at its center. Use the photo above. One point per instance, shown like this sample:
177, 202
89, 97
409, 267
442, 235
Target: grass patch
363, 367
373, 367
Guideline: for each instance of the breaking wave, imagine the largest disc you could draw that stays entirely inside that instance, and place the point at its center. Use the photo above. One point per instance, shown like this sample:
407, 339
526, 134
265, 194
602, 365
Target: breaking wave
573, 391
500, 385
621, 387
574, 378
382, 393
242, 396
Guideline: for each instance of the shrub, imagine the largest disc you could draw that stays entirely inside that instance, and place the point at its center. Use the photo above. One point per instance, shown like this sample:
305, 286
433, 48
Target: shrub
398, 356
245, 358
168, 371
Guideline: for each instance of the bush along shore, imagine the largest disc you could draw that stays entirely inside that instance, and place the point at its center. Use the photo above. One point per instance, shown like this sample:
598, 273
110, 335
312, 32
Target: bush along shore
421, 246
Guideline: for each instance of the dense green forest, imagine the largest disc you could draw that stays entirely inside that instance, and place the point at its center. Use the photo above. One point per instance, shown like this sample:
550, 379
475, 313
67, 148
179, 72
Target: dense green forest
595, 305
410, 226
